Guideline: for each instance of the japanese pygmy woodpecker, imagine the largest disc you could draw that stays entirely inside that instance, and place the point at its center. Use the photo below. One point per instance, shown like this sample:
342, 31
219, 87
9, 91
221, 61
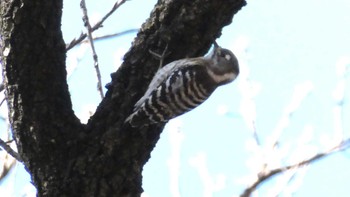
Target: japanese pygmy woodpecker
182, 85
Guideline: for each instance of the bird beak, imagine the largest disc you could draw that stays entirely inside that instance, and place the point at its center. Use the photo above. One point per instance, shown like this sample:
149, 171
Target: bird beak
215, 45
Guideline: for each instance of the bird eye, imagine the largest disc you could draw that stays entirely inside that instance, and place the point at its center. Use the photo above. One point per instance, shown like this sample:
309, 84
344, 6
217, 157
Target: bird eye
225, 55
228, 57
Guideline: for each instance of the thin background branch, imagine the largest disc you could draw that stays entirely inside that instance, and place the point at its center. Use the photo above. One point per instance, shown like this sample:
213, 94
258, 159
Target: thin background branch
89, 30
98, 38
9, 150
340, 147
76, 41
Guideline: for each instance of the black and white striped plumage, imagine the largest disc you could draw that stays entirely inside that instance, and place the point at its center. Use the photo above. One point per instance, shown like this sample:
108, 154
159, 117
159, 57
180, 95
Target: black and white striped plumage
182, 85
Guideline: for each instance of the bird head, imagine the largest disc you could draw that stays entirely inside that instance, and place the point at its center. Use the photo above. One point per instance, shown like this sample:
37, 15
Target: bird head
223, 65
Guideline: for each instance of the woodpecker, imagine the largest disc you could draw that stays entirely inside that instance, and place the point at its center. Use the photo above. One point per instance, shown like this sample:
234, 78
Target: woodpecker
182, 85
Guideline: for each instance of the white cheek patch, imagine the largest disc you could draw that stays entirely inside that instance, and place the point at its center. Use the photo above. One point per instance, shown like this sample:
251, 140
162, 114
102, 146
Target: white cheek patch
228, 57
218, 78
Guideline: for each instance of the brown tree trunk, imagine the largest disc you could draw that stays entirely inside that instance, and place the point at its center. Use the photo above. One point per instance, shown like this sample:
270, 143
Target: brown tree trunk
104, 157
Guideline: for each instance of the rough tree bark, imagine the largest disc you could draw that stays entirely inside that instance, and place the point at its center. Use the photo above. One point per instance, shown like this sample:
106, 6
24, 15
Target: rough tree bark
103, 157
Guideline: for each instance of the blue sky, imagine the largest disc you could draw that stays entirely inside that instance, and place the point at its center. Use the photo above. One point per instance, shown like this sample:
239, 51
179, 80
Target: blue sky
293, 57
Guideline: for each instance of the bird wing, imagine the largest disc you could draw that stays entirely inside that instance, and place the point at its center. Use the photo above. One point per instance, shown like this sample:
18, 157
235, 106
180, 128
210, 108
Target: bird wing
163, 73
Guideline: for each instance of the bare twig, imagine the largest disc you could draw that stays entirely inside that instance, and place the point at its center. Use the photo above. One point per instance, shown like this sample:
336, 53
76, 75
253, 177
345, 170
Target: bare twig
263, 177
89, 30
161, 57
9, 141
82, 36
7, 166
10, 151
255, 134
2, 87
98, 38
2, 102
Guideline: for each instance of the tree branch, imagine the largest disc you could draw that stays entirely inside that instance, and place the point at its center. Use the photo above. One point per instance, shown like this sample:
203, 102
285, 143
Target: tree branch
82, 36
7, 166
94, 55
104, 157
10, 151
42, 120
187, 33
113, 35
267, 175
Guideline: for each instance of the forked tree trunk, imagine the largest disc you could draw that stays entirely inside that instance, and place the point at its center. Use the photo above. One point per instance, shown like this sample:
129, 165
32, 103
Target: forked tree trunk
103, 157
